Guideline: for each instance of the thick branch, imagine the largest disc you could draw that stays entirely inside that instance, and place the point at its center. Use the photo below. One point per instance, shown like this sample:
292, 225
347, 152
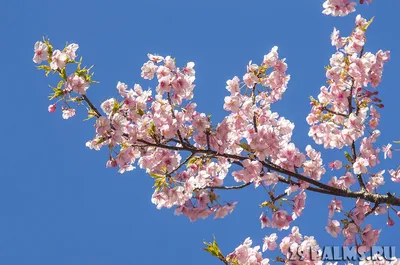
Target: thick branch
85, 98
320, 187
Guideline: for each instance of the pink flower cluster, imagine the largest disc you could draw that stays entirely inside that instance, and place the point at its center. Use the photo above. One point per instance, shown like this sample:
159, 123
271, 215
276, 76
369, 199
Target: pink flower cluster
340, 7
245, 254
58, 60
346, 107
295, 243
352, 227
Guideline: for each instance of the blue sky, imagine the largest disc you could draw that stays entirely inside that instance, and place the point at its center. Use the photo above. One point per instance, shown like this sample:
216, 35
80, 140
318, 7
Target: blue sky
58, 202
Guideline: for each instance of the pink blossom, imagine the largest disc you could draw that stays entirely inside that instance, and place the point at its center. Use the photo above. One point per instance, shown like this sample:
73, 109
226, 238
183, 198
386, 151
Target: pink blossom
360, 166
299, 202
68, 113
70, 51
314, 167
232, 103
233, 85
375, 181
252, 170
336, 40
359, 213
245, 254
387, 151
360, 21
271, 58
77, 84
265, 222
369, 236
108, 105
222, 211
337, 164
169, 62
269, 178
155, 58
338, 7
250, 79
102, 125
122, 89
188, 70
58, 60
347, 180
41, 52
333, 228
270, 242
148, 70
335, 206
395, 175
281, 220
349, 233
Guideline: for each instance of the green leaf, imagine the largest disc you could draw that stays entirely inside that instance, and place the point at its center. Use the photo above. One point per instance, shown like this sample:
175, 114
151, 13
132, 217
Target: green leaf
89, 117
213, 249
368, 24
57, 93
152, 129
156, 176
193, 160
59, 85
270, 205
140, 112
91, 114
116, 107
49, 47
246, 147
348, 157
46, 68
345, 222
396, 142
101, 140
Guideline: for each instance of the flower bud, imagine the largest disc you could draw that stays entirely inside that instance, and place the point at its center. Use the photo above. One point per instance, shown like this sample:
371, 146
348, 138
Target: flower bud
52, 108
390, 222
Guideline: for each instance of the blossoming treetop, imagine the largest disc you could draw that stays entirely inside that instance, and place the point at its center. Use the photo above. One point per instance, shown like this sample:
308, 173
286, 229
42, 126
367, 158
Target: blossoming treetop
189, 156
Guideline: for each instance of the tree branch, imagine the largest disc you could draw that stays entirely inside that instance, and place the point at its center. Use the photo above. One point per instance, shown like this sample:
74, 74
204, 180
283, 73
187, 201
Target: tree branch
320, 187
228, 187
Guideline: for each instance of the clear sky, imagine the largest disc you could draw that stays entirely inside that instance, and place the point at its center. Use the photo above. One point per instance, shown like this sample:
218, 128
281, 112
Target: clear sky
58, 202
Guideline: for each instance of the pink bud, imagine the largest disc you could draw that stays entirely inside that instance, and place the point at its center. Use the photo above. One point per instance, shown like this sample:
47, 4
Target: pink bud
398, 213
111, 163
52, 108
390, 222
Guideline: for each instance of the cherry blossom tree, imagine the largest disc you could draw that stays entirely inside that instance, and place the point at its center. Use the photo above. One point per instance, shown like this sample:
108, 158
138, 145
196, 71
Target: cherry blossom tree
190, 157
